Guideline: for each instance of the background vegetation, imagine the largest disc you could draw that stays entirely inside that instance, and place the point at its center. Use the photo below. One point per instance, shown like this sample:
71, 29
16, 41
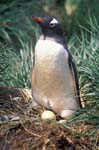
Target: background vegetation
18, 34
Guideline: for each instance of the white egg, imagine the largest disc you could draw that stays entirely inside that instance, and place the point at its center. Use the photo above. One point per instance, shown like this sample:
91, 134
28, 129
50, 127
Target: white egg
48, 115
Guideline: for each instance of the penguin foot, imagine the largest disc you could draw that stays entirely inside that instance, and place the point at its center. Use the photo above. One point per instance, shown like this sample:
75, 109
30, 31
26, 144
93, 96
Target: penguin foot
67, 114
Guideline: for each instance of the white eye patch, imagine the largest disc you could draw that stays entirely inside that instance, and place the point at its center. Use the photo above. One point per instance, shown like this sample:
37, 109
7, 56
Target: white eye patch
54, 21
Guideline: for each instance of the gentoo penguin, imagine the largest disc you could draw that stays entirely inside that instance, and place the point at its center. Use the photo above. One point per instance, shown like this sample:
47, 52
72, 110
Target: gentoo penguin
54, 76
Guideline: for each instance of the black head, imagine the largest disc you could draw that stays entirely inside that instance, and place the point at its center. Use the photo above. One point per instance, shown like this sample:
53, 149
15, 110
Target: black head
49, 25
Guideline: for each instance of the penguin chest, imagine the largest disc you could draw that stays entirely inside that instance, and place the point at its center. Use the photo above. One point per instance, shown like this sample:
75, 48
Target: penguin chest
52, 80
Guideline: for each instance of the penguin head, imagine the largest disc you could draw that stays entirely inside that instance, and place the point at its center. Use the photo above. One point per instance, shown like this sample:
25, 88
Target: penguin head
49, 26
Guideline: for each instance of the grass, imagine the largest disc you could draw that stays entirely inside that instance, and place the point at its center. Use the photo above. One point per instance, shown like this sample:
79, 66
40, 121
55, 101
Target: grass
15, 69
85, 49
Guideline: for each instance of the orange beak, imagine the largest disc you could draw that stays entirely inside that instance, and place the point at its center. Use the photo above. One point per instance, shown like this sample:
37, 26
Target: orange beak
38, 19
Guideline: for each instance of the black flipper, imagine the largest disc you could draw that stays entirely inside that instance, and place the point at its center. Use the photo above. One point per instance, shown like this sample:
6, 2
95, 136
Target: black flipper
75, 76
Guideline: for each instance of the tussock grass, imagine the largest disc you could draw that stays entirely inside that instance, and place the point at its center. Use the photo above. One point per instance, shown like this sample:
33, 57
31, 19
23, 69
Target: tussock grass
85, 49
15, 68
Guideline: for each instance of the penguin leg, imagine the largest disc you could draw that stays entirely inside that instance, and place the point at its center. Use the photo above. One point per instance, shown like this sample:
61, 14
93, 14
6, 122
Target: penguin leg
34, 104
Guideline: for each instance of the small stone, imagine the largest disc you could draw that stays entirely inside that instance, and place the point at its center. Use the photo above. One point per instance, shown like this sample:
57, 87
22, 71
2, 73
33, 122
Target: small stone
48, 115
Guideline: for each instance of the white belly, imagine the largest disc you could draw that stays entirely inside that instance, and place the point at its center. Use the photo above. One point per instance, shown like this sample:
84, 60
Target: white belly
53, 84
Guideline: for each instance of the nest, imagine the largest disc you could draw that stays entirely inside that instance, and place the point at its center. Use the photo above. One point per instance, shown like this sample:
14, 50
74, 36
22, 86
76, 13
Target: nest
29, 132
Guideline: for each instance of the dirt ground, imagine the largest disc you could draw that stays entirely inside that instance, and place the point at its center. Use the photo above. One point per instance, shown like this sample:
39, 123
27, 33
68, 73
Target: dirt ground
37, 135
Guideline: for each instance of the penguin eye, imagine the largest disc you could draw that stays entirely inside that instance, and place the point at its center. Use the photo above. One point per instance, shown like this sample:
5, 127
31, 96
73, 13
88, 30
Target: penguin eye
52, 25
